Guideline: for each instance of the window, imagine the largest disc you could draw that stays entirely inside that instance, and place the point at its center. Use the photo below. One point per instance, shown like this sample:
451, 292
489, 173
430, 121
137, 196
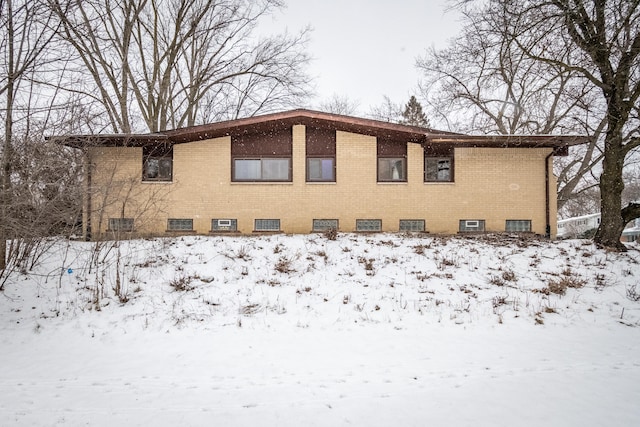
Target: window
392, 169
320, 149
392, 160
319, 169
224, 225
437, 169
179, 224
368, 225
268, 169
438, 164
262, 156
471, 225
267, 225
412, 225
518, 225
121, 224
325, 224
157, 163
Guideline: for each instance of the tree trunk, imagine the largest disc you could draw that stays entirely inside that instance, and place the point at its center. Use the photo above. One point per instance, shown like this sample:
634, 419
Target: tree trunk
5, 171
611, 186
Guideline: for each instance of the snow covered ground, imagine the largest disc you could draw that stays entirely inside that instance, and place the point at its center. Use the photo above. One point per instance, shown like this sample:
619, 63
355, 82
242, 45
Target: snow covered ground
376, 330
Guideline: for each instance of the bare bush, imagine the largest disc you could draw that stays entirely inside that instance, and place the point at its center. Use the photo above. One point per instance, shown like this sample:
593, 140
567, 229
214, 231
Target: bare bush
284, 265
182, 283
633, 294
560, 286
330, 233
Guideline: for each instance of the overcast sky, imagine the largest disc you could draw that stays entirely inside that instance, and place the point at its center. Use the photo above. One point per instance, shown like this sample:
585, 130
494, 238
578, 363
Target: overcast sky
365, 49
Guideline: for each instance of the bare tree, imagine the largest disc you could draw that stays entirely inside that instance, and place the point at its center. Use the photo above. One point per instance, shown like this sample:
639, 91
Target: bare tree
604, 44
25, 33
338, 104
387, 111
518, 68
157, 64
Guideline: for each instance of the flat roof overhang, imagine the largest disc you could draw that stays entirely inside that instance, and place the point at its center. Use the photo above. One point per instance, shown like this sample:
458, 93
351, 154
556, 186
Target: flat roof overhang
284, 120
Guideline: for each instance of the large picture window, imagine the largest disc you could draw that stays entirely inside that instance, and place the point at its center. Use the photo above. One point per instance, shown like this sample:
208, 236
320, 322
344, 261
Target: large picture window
262, 157
157, 163
438, 164
269, 169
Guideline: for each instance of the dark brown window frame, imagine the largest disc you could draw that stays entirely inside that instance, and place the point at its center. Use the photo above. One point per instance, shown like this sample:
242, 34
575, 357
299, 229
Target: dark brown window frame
320, 144
261, 147
388, 149
333, 168
161, 154
261, 159
391, 180
439, 153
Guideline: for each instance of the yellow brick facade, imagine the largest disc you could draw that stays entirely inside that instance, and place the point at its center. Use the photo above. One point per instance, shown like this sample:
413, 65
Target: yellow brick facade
491, 184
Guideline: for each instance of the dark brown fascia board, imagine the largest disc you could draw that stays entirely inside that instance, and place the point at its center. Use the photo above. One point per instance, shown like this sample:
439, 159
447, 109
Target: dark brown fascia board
108, 140
276, 121
509, 141
283, 120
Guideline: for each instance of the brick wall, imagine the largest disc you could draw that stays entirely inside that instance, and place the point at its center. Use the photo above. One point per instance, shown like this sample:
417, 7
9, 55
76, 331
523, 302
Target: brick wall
493, 184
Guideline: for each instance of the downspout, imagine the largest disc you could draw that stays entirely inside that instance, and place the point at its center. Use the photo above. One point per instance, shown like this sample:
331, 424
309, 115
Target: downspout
87, 205
547, 195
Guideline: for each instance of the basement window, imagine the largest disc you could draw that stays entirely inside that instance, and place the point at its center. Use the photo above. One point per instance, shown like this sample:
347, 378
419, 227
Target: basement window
267, 225
325, 224
120, 224
224, 225
412, 225
518, 225
368, 225
174, 224
471, 225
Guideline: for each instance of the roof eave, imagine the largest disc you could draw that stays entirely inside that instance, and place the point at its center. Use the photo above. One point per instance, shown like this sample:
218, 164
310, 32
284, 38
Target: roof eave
108, 140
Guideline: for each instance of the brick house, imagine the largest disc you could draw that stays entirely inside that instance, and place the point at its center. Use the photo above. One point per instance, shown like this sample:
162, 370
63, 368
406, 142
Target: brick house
302, 171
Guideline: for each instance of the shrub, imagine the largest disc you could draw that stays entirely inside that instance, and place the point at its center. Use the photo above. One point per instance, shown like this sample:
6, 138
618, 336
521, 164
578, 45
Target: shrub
632, 294
331, 233
182, 283
560, 286
284, 265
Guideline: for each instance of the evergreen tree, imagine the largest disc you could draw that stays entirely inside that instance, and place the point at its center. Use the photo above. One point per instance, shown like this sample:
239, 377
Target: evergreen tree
413, 114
